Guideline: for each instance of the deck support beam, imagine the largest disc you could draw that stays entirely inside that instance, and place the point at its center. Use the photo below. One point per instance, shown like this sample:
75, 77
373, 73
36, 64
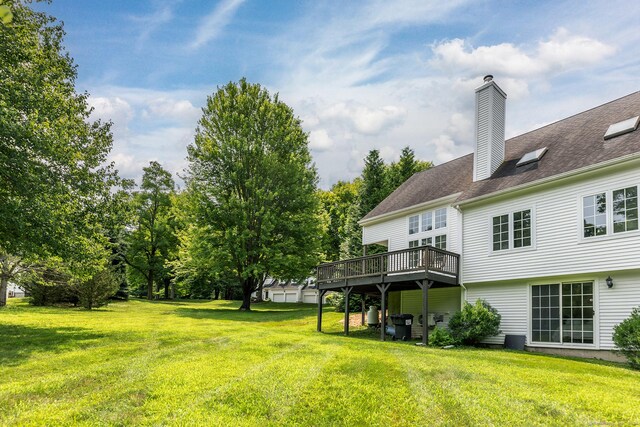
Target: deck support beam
347, 291
383, 288
363, 296
425, 285
321, 294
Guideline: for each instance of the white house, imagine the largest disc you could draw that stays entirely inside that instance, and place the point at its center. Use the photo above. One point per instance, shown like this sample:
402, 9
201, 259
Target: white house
290, 291
543, 226
14, 291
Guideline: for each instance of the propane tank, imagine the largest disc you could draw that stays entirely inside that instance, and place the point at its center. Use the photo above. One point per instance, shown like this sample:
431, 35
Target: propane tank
372, 316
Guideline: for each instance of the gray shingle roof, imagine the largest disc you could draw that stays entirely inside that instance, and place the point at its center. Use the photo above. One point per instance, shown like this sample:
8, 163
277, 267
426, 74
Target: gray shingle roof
573, 143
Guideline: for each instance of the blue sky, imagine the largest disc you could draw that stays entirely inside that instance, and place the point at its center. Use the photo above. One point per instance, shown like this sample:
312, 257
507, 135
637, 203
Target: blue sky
360, 74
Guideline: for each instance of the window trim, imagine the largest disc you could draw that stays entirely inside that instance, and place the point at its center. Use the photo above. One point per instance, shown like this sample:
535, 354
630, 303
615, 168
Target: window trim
609, 214
511, 248
420, 234
597, 284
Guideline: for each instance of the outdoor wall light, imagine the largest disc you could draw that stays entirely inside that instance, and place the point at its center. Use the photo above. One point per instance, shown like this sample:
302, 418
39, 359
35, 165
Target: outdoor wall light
609, 282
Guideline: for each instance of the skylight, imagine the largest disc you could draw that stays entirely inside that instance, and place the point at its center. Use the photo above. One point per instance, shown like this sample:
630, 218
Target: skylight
532, 156
622, 127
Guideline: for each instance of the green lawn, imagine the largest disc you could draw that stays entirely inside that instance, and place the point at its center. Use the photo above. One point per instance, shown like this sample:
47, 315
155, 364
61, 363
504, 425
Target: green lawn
205, 363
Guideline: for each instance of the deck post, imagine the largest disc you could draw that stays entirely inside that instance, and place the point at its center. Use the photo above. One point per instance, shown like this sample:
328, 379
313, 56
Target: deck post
425, 285
347, 292
383, 293
320, 297
363, 296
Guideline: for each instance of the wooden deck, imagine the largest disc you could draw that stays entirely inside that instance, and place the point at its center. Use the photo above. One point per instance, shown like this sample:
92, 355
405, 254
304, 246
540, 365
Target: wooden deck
416, 268
398, 267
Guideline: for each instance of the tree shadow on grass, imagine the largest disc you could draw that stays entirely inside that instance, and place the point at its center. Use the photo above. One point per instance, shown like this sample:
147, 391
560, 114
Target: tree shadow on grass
18, 342
233, 314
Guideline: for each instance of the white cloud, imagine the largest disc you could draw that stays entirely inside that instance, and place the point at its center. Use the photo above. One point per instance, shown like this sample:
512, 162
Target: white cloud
176, 109
365, 120
114, 109
388, 154
319, 140
563, 51
212, 25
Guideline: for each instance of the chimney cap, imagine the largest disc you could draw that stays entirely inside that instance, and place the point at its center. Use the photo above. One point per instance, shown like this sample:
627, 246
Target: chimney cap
488, 78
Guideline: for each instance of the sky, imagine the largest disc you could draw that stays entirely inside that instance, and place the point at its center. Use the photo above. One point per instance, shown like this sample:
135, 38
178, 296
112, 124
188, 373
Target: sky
361, 75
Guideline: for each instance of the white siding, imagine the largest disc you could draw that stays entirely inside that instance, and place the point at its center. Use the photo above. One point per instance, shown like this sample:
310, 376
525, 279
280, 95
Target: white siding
490, 120
497, 134
558, 246
511, 301
481, 158
441, 300
396, 230
616, 303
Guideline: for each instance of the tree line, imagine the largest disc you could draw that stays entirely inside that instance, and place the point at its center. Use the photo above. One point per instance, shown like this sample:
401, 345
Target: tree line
73, 231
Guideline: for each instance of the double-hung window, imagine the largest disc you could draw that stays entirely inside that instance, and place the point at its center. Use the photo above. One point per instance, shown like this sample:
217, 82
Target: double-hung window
512, 231
414, 224
610, 212
594, 209
441, 218
625, 209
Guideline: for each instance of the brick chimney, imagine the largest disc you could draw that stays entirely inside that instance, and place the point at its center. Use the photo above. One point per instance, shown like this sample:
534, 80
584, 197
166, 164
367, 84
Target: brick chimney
490, 119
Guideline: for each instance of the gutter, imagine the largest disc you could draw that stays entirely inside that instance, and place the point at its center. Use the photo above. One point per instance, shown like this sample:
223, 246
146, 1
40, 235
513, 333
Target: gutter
603, 165
404, 211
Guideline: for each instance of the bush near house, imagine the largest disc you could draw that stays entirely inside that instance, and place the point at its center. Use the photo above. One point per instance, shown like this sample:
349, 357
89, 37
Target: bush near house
626, 337
441, 337
474, 323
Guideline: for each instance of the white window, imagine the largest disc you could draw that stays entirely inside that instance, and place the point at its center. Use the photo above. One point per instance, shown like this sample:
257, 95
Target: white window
426, 242
610, 212
441, 218
441, 242
500, 232
413, 224
512, 231
522, 228
594, 210
562, 313
427, 221
625, 209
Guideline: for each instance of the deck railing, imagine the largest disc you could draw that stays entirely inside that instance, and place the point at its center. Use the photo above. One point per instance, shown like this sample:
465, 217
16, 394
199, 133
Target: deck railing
425, 258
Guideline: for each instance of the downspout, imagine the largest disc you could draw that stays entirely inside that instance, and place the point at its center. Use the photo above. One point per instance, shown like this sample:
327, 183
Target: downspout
463, 295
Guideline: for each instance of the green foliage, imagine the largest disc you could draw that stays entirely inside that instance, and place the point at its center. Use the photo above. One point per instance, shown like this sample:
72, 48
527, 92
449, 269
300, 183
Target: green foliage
474, 323
376, 183
441, 337
152, 241
96, 291
398, 172
335, 204
336, 299
626, 337
49, 285
254, 188
52, 179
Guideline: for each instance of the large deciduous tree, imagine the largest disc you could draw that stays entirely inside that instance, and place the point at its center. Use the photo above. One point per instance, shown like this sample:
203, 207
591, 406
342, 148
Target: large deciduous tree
51, 178
254, 187
152, 235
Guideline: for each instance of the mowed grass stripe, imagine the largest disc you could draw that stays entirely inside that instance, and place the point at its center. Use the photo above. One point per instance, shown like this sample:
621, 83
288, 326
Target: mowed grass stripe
205, 363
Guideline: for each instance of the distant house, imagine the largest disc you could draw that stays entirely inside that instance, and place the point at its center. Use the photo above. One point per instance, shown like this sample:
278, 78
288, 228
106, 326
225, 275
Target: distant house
15, 291
543, 226
290, 291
